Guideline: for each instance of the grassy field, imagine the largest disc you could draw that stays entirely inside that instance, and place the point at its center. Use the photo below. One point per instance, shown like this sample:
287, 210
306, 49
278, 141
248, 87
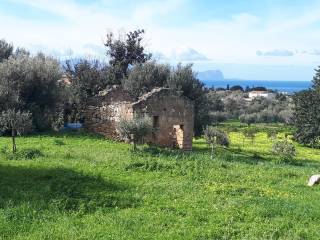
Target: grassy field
84, 187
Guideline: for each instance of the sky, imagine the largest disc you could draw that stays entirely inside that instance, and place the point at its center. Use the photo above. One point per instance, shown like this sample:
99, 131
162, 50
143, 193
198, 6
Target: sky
245, 39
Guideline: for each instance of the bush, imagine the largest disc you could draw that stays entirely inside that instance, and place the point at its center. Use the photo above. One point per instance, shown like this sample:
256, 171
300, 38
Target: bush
248, 118
135, 129
285, 150
214, 136
218, 117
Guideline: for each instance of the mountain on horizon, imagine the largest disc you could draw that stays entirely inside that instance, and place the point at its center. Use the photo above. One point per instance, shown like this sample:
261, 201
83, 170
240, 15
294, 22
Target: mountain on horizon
211, 75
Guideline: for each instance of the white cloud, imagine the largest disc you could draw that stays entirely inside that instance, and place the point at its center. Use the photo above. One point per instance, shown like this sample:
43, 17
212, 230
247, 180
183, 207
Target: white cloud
233, 40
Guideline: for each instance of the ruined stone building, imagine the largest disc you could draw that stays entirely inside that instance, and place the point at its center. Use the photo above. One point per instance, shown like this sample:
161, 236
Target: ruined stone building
172, 115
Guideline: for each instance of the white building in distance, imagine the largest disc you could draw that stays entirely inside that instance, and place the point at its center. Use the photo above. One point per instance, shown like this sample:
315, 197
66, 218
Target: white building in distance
265, 94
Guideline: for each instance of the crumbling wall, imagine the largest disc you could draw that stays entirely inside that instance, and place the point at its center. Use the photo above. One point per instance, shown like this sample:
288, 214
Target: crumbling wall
172, 115
104, 112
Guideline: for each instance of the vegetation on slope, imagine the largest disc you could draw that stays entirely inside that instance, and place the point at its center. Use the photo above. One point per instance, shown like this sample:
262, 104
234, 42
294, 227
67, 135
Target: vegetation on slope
76, 186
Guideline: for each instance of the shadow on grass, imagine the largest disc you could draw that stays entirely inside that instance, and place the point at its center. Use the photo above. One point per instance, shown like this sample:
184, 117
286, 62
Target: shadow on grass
61, 190
269, 157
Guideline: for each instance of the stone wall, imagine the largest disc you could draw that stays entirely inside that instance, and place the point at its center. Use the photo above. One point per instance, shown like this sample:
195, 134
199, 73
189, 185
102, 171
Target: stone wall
172, 115
103, 112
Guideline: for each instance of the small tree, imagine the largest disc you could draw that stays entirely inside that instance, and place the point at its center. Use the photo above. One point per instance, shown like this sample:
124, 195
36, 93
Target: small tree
126, 50
251, 133
135, 129
272, 134
284, 149
214, 137
16, 122
248, 118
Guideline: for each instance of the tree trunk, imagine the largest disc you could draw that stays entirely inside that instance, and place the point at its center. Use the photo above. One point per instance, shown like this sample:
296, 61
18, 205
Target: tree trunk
14, 146
212, 151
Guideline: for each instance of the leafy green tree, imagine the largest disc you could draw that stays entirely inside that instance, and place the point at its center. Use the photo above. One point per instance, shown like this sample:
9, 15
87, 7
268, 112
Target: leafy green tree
16, 122
316, 79
285, 150
306, 114
126, 50
214, 137
307, 118
250, 132
90, 76
248, 118
6, 50
272, 134
30, 83
184, 80
143, 78
135, 129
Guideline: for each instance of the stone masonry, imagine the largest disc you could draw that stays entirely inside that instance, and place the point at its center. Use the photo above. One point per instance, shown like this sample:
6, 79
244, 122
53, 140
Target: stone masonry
172, 115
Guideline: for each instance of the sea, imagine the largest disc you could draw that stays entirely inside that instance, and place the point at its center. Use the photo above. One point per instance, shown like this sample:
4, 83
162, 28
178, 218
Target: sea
289, 87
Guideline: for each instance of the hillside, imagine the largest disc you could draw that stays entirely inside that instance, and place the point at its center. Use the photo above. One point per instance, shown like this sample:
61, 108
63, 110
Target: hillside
85, 187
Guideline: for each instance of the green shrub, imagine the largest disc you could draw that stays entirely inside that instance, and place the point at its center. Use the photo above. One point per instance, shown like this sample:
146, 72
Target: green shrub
214, 136
135, 129
285, 150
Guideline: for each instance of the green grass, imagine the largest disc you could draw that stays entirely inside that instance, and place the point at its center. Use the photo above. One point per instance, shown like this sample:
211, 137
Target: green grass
84, 187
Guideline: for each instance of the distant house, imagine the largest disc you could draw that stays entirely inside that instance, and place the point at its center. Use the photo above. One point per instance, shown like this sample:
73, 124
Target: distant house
265, 94
172, 115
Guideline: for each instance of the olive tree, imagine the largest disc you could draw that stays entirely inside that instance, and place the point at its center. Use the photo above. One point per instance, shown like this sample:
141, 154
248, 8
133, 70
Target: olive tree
285, 150
250, 133
143, 78
15, 122
214, 136
126, 50
30, 83
6, 50
135, 129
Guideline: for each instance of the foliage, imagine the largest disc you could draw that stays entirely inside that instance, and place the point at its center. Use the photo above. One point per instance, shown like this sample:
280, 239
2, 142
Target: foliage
30, 83
126, 50
306, 114
135, 129
248, 118
284, 149
89, 76
6, 50
250, 132
272, 133
92, 186
237, 88
143, 78
183, 79
16, 122
214, 136
218, 117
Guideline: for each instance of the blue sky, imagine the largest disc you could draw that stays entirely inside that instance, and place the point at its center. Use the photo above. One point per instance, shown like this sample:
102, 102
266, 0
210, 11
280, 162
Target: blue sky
249, 39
